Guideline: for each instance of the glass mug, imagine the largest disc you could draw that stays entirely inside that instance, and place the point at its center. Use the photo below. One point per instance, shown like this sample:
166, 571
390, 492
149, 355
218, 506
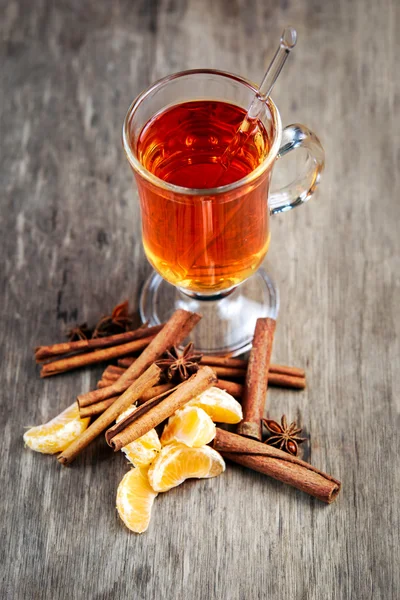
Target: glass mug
209, 242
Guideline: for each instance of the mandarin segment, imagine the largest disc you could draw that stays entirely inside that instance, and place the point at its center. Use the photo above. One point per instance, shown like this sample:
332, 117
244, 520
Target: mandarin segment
177, 462
219, 405
142, 451
189, 425
56, 435
135, 499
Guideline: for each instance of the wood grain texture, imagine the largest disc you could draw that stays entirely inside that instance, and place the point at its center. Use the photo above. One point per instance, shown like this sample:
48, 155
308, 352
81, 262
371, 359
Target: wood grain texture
71, 249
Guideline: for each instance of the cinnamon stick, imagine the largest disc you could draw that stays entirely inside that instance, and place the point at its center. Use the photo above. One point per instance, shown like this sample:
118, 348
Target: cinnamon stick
277, 464
110, 374
195, 385
105, 382
286, 381
155, 391
236, 389
229, 372
173, 332
235, 363
274, 379
146, 380
256, 384
241, 363
91, 358
285, 370
143, 409
125, 362
224, 361
96, 409
233, 388
113, 370
45, 352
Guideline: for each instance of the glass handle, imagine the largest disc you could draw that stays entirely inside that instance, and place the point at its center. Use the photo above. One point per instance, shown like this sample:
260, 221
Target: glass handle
303, 186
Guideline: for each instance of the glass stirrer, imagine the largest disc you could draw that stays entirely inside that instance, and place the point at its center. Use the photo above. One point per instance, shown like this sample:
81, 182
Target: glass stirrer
286, 44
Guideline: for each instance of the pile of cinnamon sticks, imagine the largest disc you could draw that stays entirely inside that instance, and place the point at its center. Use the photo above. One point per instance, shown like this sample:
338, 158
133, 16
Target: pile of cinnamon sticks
137, 379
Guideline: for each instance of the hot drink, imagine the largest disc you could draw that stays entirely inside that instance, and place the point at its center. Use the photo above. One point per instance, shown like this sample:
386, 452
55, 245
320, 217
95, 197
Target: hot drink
209, 242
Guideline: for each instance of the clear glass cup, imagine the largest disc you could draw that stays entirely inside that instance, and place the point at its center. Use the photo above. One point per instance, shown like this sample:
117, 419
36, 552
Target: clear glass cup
230, 223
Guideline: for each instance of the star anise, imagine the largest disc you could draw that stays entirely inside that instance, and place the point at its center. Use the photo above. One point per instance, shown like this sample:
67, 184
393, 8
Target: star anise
118, 322
79, 332
180, 365
284, 436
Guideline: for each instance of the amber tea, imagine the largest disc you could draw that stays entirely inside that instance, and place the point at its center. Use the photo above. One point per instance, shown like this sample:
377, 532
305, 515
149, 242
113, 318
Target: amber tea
209, 242
202, 145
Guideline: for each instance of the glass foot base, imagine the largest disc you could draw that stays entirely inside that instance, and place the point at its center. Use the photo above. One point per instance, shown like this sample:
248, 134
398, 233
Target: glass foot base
228, 322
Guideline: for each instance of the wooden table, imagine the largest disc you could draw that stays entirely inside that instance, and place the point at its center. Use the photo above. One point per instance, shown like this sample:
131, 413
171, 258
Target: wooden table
71, 248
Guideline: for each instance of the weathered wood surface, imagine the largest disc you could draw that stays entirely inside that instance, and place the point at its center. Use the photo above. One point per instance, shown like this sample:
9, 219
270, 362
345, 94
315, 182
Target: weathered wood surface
71, 248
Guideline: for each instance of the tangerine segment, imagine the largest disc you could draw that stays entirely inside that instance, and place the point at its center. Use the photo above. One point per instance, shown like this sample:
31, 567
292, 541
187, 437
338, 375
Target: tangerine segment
135, 499
142, 451
177, 462
219, 405
56, 435
189, 425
